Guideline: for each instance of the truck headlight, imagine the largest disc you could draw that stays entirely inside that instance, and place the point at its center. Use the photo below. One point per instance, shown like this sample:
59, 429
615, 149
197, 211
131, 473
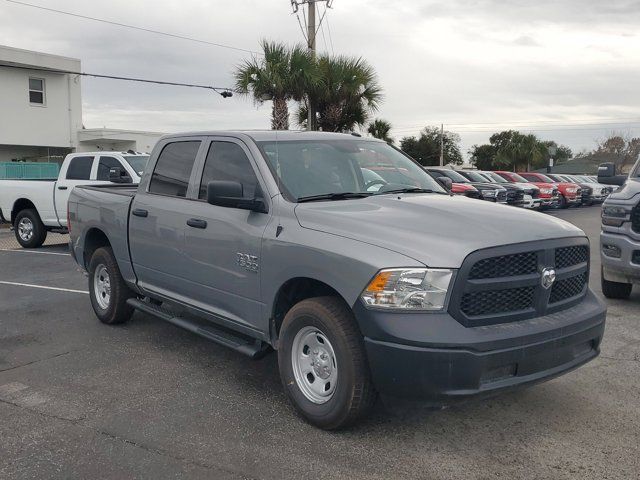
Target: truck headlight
614, 216
546, 191
409, 289
489, 193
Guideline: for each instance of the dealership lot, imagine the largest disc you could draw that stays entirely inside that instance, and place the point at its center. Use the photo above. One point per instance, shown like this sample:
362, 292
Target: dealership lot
81, 399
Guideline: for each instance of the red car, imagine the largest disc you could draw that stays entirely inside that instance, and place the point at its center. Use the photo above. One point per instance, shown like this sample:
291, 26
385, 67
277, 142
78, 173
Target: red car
548, 190
570, 193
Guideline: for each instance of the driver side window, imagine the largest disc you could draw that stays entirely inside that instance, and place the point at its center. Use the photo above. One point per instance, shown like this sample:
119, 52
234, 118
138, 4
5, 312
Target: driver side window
227, 161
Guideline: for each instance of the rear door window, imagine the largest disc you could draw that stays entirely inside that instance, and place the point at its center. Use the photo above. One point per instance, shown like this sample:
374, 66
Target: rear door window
79, 168
173, 169
104, 165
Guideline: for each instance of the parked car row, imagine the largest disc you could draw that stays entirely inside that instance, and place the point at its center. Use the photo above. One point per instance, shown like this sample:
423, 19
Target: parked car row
525, 189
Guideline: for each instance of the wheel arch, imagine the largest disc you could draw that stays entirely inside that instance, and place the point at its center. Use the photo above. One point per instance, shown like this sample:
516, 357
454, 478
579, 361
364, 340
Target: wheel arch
293, 291
20, 205
94, 239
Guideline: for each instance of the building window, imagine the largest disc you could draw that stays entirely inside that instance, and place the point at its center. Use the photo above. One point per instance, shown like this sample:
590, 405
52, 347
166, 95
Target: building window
36, 91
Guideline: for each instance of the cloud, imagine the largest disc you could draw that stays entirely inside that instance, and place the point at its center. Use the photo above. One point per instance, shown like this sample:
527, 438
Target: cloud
456, 62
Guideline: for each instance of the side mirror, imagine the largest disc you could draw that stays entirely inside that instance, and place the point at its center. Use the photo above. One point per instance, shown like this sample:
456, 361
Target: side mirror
607, 175
446, 182
230, 195
119, 175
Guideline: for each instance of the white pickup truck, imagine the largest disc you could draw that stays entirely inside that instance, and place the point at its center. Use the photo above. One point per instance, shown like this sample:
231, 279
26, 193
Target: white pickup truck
36, 207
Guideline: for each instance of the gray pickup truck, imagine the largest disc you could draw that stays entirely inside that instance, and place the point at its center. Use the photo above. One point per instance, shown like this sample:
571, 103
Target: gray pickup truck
342, 254
620, 236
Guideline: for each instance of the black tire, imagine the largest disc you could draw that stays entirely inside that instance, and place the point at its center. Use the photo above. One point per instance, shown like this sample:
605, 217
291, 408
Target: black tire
615, 290
354, 394
38, 233
114, 308
563, 202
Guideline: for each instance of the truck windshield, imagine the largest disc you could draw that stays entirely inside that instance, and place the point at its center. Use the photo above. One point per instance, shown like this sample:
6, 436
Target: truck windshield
474, 176
137, 162
341, 169
494, 177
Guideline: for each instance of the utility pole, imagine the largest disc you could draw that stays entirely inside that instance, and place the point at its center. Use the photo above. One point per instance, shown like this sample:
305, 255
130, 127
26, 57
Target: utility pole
311, 43
310, 36
442, 144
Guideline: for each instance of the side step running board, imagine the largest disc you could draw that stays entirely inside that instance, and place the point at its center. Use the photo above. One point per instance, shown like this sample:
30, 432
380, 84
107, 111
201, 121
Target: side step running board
251, 347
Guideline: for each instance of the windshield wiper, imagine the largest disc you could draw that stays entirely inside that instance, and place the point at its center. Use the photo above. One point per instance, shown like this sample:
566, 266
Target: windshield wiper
333, 196
407, 190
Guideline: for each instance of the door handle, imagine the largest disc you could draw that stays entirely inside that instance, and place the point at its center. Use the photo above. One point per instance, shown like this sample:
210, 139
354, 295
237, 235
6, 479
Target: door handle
62, 188
196, 223
139, 212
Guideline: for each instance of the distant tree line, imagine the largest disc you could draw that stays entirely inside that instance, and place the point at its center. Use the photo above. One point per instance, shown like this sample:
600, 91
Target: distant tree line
513, 150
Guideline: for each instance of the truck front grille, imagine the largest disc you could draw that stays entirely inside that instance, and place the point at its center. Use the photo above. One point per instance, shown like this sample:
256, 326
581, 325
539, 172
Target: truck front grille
635, 218
504, 284
569, 256
567, 288
505, 266
497, 301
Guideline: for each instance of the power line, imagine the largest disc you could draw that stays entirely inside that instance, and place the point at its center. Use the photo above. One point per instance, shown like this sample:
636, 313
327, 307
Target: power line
222, 91
535, 123
330, 38
134, 27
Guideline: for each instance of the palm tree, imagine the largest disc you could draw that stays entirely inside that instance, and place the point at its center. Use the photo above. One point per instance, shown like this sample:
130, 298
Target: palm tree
380, 129
346, 93
522, 151
283, 74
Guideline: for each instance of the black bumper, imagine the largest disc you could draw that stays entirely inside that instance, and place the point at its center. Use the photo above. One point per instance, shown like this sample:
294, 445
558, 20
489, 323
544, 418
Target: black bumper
435, 358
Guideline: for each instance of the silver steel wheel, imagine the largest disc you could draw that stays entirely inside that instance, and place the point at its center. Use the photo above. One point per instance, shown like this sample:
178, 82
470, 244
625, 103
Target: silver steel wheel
314, 365
102, 286
25, 229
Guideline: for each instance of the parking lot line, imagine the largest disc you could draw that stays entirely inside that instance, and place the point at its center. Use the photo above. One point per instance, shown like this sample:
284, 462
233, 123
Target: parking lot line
43, 287
33, 251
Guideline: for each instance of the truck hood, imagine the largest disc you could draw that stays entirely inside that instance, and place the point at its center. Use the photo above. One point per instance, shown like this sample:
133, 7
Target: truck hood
437, 230
626, 192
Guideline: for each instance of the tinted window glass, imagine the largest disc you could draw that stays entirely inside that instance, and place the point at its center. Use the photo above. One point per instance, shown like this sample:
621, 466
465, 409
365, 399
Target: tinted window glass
227, 161
79, 168
105, 165
173, 169
306, 168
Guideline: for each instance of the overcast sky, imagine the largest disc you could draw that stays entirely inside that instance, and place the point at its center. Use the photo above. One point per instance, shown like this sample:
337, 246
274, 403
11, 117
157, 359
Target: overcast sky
567, 69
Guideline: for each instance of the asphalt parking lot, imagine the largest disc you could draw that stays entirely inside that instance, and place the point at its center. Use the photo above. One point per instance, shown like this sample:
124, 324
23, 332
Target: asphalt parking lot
79, 399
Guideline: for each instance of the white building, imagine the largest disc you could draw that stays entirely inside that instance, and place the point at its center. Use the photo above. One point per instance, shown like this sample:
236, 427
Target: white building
41, 111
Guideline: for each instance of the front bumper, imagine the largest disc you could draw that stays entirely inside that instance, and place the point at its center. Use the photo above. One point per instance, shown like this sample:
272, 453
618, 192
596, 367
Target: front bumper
529, 202
623, 269
433, 357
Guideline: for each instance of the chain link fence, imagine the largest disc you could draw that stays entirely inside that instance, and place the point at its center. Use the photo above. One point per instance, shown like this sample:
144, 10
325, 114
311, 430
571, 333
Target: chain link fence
8, 240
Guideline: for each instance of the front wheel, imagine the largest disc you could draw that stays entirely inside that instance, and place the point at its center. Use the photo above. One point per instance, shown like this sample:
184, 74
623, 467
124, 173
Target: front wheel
615, 290
108, 292
323, 364
563, 202
29, 229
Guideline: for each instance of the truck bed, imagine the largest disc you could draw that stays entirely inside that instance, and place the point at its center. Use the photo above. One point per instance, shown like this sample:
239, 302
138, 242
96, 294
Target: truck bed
107, 208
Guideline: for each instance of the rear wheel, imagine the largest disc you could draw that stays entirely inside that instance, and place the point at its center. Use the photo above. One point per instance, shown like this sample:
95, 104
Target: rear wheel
615, 290
323, 364
107, 289
29, 229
